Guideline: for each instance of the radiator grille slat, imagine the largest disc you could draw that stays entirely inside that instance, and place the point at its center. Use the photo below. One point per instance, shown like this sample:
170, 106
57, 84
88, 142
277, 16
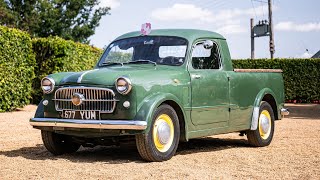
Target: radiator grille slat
98, 99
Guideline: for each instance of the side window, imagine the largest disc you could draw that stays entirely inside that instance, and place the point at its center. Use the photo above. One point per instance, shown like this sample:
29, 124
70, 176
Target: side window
204, 58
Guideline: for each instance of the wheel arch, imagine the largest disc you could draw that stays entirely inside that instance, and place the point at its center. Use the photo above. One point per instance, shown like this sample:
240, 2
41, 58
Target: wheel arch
147, 109
181, 118
271, 100
267, 95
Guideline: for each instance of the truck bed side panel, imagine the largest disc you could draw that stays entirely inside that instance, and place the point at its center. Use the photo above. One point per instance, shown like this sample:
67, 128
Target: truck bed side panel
244, 88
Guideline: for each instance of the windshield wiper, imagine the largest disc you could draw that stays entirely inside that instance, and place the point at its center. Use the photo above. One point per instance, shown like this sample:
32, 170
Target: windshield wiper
143, 61
111, 63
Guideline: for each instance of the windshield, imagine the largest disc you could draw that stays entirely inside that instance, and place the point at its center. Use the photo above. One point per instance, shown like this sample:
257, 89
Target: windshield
146, 49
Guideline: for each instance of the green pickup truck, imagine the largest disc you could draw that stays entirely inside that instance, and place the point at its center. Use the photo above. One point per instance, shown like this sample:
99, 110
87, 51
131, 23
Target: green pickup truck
158, 89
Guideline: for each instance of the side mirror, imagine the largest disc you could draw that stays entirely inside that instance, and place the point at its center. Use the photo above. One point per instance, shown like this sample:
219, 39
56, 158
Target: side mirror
208, 44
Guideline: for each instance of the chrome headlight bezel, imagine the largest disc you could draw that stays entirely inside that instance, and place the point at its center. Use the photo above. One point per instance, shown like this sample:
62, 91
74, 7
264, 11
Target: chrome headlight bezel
50, 86
123, 88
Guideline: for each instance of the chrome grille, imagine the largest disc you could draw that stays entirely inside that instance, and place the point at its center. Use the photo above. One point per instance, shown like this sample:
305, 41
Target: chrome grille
99, 99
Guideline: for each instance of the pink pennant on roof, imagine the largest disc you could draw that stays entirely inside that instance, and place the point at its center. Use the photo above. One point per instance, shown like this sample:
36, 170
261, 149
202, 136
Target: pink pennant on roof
146, 28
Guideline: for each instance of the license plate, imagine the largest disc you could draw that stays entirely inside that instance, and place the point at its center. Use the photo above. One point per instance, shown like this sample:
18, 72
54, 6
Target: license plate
85, 115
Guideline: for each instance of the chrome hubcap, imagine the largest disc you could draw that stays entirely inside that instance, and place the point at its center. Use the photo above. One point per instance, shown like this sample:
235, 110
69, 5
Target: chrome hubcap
163, 132
264, 123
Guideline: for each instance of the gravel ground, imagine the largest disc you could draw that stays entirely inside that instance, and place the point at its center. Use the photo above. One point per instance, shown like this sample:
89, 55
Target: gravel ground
293, 154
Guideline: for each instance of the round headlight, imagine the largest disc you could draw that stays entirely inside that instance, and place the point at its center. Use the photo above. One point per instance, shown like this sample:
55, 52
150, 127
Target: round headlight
47, 85
123, 85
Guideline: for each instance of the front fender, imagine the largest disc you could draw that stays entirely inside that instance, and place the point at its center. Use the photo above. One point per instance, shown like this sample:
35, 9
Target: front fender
256, 106
148, 106
40, 110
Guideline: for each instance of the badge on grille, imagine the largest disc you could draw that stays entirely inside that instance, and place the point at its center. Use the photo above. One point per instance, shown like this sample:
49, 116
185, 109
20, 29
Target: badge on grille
77, 99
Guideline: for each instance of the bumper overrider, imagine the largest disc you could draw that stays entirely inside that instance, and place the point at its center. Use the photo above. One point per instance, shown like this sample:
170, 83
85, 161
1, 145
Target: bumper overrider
89, 124
284, 112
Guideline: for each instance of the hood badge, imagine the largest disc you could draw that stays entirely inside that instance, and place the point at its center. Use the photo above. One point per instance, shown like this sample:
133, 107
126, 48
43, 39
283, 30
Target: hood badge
77, 99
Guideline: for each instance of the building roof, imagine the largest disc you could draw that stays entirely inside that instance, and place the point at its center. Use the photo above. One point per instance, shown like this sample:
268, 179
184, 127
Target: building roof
317, 55
189, 34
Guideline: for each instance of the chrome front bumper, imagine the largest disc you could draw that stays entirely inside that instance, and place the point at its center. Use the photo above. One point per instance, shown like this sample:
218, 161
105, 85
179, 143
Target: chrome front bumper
89, 124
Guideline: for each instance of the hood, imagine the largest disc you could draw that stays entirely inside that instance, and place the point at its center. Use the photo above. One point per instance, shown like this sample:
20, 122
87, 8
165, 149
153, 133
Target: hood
107, 76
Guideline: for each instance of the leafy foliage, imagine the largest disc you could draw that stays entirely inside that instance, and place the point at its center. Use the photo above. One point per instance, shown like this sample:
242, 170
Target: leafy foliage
55, 54
301, 76
17, 63
118, 57
70, 19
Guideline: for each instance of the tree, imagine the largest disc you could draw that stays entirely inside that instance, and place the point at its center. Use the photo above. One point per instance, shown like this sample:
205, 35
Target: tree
70, 19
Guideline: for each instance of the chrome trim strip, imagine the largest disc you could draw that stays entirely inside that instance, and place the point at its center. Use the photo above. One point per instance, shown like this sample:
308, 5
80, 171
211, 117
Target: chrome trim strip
86, 72
85, 87
255, 118
91, 100
89, 124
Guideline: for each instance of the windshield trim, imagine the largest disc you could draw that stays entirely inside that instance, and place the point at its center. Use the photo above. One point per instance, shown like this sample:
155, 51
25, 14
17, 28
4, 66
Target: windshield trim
100, 62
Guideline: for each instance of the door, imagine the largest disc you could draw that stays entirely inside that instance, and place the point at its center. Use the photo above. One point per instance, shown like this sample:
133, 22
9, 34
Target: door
210, 87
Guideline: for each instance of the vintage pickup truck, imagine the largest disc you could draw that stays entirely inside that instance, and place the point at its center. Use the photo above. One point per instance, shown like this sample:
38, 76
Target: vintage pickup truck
158, 89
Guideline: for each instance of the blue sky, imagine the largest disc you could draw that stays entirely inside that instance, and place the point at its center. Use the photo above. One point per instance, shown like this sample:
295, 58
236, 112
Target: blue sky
296, 23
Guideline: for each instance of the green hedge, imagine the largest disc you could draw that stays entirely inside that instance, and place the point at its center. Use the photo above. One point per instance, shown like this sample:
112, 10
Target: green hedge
16, 68
24, 62
54, 54
301, 76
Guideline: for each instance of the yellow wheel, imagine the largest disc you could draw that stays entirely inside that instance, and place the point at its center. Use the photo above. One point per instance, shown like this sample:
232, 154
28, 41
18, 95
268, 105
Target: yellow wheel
163, 132
160, 142
264, 124
263, 135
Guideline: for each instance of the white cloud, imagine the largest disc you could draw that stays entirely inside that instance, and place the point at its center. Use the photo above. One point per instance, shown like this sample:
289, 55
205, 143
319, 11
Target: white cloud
305, 55
186, 12
231, 29
291, 26
110, 3
236, 13
226, 21
182, 12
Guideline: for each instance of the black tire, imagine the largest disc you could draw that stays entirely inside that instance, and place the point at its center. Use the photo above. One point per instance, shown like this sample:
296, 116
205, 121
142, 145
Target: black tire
147, 144
258, 137
58, 144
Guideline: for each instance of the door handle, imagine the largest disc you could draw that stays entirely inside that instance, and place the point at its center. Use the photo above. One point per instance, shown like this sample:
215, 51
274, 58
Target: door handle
196, 76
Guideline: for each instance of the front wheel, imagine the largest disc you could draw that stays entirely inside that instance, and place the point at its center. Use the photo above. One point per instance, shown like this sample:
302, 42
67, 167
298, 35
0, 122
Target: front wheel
58, 144
161, 141
263, 135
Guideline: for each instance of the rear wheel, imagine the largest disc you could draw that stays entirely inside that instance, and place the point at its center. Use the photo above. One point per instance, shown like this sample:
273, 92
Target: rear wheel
161, 141
58, 144
263, 135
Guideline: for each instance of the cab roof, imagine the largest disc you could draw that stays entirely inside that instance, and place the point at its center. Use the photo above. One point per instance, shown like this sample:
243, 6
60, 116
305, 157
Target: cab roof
189, 34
